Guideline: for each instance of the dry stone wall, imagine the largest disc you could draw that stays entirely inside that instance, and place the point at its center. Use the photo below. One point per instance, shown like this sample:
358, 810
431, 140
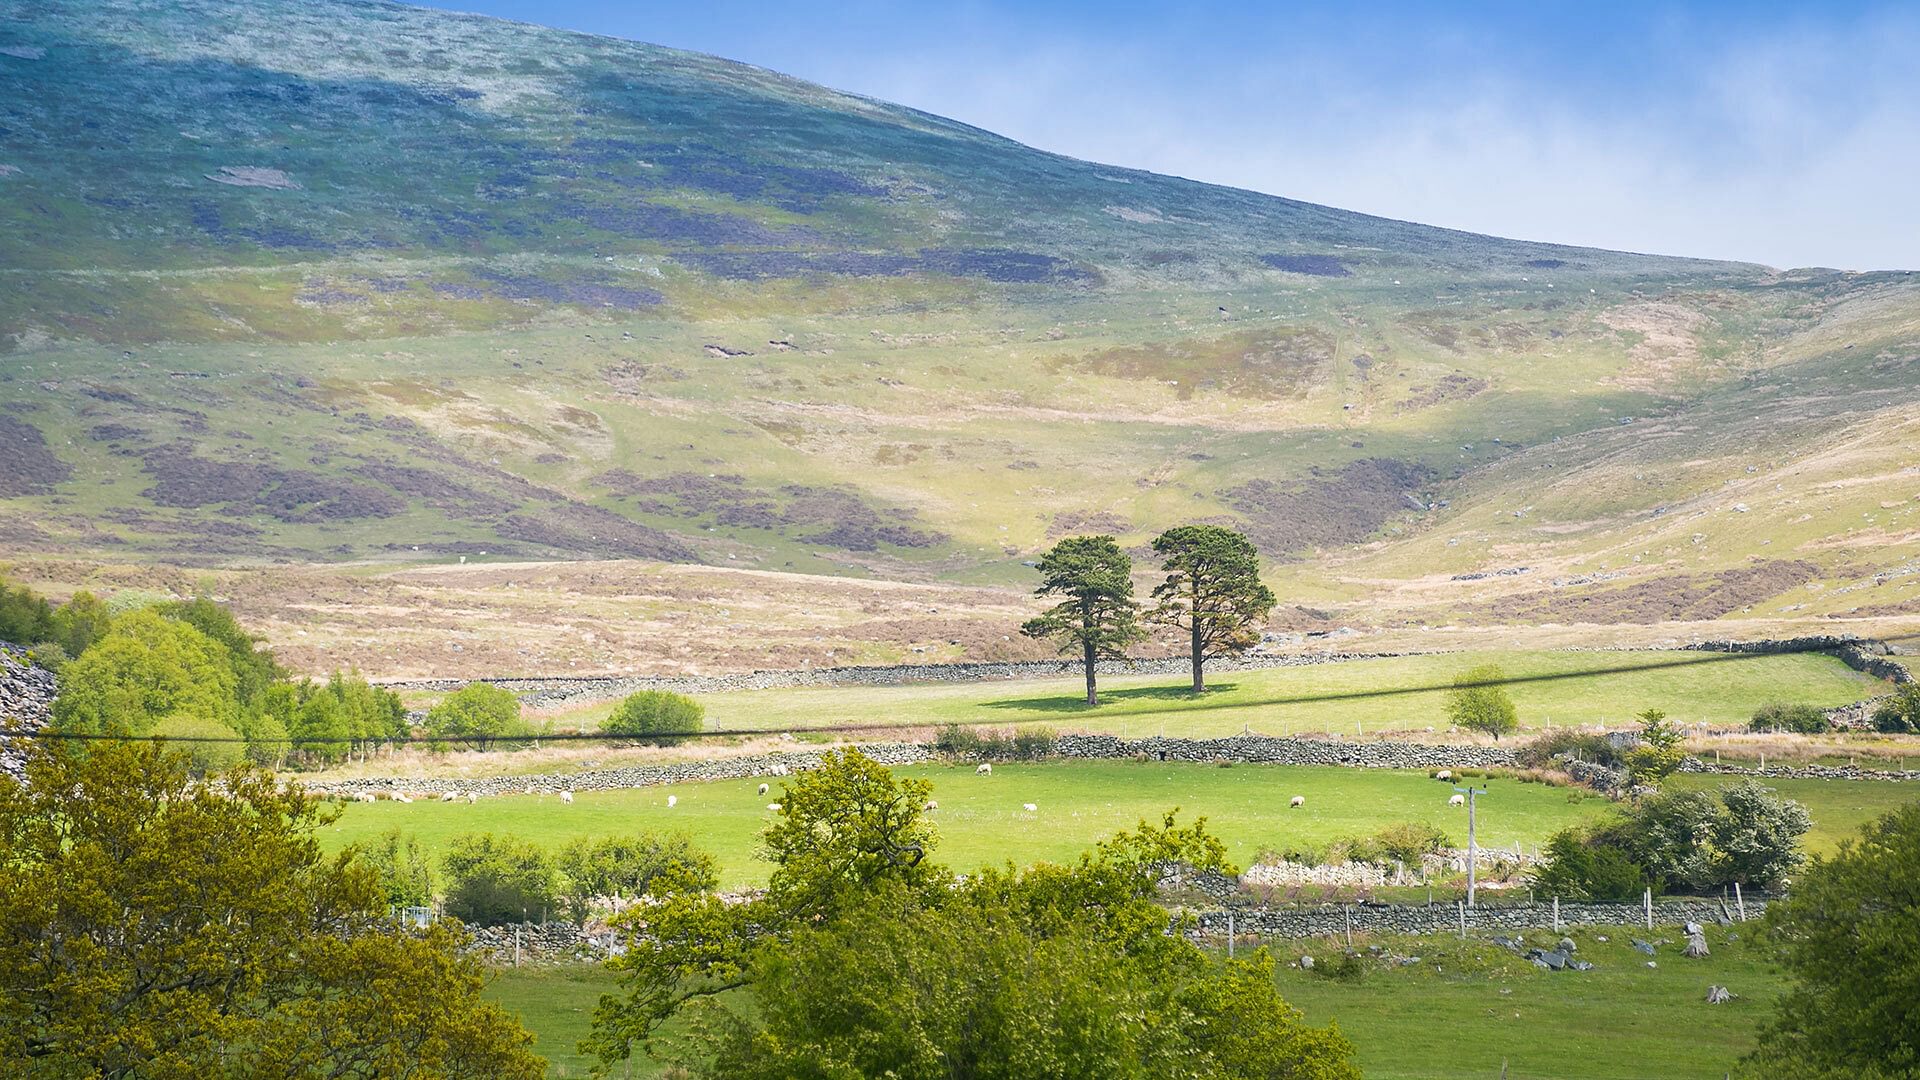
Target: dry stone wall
1324, 919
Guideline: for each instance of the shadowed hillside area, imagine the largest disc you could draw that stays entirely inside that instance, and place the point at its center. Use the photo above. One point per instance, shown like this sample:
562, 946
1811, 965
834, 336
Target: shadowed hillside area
324, 283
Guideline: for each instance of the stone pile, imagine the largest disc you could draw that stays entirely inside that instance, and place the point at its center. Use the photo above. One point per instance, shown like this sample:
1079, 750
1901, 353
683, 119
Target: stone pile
26, 705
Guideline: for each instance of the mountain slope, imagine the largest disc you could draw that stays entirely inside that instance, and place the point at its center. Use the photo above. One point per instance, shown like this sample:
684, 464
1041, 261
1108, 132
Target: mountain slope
306, 281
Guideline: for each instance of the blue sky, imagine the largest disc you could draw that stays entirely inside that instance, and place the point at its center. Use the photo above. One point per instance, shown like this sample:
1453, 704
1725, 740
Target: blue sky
1787, 134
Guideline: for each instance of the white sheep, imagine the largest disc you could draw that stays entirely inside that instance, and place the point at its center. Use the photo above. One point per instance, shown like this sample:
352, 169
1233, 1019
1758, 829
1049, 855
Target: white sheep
1443, 774
448, 797
1030, 808
773, 807
673, 801
1298, 801
933, 804
763, 789
567, 797
1457, 800
401, 796
472, 798
368, 796
985, 769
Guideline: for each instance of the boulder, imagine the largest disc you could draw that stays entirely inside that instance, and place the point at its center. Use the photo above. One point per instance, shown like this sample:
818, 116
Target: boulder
1643, 946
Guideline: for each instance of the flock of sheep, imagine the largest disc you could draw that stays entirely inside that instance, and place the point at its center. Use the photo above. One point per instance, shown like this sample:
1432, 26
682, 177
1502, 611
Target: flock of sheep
985, 769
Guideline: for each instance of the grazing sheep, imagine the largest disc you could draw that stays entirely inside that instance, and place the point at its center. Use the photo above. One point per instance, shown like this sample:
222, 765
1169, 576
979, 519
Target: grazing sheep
763, 789
368, 796
448, 797
472, 798
1298, 801
1030, 808
401, 796
985, 769
673, 801
933, 804
1457, 800
1443, 774
774, 807
567, 797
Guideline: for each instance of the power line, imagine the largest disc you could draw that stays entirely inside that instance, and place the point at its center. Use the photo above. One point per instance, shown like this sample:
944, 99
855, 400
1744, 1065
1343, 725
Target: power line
1706, 657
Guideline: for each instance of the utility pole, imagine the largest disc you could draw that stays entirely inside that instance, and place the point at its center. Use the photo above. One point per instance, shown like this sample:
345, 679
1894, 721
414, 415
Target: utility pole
1473, 842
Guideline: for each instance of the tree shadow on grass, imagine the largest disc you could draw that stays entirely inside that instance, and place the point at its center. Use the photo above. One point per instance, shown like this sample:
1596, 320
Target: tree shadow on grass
1075, 704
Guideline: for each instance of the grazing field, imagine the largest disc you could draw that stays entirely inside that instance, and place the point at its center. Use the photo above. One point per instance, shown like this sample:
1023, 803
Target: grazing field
1466, 1010
1404, 693
981, 820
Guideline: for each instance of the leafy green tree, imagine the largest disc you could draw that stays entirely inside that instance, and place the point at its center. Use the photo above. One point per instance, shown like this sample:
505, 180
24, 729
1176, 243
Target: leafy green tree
147, 668
1849, 935
211, 745
975, 989
81, 621
404, 874
25, 616
1900, 713
1478, 702
495, 880
155, 926
1658, 754
626, 867
1098, 617
865, 958
655, 713
254, 668
322, 728
478, 714
1212, 591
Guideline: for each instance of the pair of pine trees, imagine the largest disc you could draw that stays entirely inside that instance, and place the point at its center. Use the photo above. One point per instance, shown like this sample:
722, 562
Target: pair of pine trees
1212, 592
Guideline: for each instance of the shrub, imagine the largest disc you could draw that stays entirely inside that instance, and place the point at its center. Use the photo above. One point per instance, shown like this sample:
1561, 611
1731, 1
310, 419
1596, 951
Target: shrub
1659, 752
958, 741
1899, 714
1578, 868
493, 881
1781, 716
478, 714
1691, 841
25, 617
655, 715
406, 878
628, 867
1554, 747
1404, 842
1034, 743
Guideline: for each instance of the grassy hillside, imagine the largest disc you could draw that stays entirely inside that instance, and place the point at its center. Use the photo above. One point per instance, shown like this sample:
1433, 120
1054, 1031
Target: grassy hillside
302, 281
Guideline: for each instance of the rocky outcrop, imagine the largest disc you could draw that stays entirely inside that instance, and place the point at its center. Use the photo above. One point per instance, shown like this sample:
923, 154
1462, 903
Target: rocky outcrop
26, 705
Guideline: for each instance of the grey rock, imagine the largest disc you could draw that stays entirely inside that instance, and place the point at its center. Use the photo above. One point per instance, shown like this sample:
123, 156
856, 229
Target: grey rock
1643, 946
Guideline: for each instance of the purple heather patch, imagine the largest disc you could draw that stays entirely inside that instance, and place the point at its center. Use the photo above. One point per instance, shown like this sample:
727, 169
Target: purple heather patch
1316, 265
1004, 266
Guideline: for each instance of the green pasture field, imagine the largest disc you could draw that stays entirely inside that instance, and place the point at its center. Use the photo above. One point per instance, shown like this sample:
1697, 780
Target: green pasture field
982, 822
1406, 693
1465, 1011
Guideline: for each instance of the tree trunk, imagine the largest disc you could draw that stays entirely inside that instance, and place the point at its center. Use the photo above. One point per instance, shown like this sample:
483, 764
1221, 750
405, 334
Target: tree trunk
1093, 696
1199, 677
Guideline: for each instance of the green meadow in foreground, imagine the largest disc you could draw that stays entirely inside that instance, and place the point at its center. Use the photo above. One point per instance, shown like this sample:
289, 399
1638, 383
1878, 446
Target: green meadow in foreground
982, 822
1388, 694
1468, 1009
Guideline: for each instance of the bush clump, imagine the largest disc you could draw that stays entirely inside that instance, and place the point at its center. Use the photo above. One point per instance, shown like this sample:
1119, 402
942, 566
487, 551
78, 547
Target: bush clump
1026, 744
493, 881
657, 716
1686, 842
1551, 749
479, 715
1403, 842
1899, 714
1779, 716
